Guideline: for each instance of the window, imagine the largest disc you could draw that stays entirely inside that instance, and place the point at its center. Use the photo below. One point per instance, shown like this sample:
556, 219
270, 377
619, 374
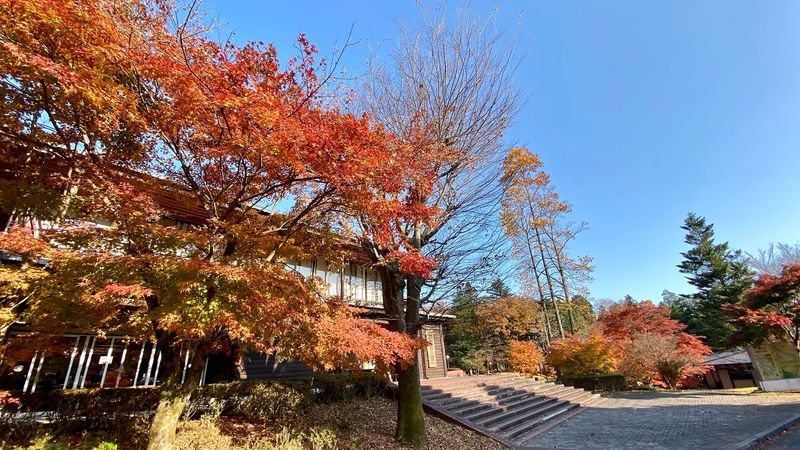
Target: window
374, 294
358, 284
333, 279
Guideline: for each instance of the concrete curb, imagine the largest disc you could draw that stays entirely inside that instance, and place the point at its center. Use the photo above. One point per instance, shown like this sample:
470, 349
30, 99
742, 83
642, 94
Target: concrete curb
764, 435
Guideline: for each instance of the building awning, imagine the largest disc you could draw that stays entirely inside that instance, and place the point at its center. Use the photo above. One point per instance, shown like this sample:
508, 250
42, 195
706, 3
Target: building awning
736, 356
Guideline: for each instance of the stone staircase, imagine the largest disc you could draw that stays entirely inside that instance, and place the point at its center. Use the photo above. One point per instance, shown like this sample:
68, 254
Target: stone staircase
508, 408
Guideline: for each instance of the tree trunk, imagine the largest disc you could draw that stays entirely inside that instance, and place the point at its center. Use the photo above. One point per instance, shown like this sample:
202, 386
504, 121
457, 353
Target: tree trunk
410, 415
565, 288
548, 333
174, 396
549, 281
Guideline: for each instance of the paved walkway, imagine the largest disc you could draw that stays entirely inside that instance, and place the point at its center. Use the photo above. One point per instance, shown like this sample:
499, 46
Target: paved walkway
710, 419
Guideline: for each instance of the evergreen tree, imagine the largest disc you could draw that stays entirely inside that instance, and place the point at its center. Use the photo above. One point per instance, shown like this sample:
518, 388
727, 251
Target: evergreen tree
460, 335
498, 289
720, 276
584, 314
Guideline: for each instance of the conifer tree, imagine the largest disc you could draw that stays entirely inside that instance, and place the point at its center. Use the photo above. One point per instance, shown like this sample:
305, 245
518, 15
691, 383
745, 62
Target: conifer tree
498, 289
461, 338
720, 276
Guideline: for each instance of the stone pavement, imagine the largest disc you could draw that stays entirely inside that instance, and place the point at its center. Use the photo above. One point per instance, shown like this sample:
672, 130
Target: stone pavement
708, 419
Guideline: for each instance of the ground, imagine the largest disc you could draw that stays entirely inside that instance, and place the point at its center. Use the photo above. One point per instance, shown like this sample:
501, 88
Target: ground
362, 424
788, 439
709, 419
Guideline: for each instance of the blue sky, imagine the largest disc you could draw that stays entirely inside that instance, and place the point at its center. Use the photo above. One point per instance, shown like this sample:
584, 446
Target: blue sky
641, 112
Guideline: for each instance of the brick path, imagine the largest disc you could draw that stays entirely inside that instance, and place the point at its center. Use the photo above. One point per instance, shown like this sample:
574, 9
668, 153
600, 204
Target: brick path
657, 420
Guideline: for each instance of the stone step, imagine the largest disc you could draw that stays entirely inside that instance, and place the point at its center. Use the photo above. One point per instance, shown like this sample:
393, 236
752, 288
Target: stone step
533, 432
473, 405
498, 401
512, 419
483, 391
513, 434
497, 393
463, 381
517, 410
437, 391
508, 408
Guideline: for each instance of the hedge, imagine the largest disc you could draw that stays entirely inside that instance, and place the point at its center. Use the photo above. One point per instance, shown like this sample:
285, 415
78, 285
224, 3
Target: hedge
611, 382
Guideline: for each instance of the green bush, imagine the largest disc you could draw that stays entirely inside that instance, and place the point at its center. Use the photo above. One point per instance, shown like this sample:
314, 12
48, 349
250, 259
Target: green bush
253, 400
339, 387
612, 382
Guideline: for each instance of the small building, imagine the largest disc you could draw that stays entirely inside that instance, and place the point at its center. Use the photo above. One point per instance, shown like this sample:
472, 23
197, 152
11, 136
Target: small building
729, 370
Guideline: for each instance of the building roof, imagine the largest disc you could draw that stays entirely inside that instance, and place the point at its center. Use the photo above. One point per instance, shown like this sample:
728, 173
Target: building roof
735, 356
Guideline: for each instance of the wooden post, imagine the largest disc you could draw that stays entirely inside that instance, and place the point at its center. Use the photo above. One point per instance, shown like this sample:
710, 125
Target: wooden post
158, 366
38, 371
71, 361
121, 364
185, 365
109, 354
150, 365
203, 375
139, 364
88, 362
79, 369
30, 372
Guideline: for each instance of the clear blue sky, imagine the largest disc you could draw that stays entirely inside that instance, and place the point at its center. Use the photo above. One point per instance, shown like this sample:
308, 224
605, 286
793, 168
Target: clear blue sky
641, 112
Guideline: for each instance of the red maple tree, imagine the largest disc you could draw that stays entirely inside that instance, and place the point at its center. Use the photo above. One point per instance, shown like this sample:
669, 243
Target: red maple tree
137, 111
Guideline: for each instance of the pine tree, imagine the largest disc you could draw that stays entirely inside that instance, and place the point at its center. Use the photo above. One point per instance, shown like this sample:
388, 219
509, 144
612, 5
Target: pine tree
720, 276
498, 289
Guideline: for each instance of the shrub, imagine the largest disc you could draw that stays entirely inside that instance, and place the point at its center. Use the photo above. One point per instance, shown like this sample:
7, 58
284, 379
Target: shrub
110, 411
253, 400
525, 357
582, 356
337, 387
663, 360
610, 382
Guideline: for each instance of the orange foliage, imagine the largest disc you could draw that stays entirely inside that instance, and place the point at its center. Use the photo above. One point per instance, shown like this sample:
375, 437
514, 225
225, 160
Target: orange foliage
583, 356
525, 357
138, 111
653, 346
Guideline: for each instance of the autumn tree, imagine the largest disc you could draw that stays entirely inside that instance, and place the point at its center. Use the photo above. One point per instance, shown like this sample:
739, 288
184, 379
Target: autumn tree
447, 92
770, 309
660, 359
117, 107
649, 342
534, 218
583, 355
720, 276
525, 357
